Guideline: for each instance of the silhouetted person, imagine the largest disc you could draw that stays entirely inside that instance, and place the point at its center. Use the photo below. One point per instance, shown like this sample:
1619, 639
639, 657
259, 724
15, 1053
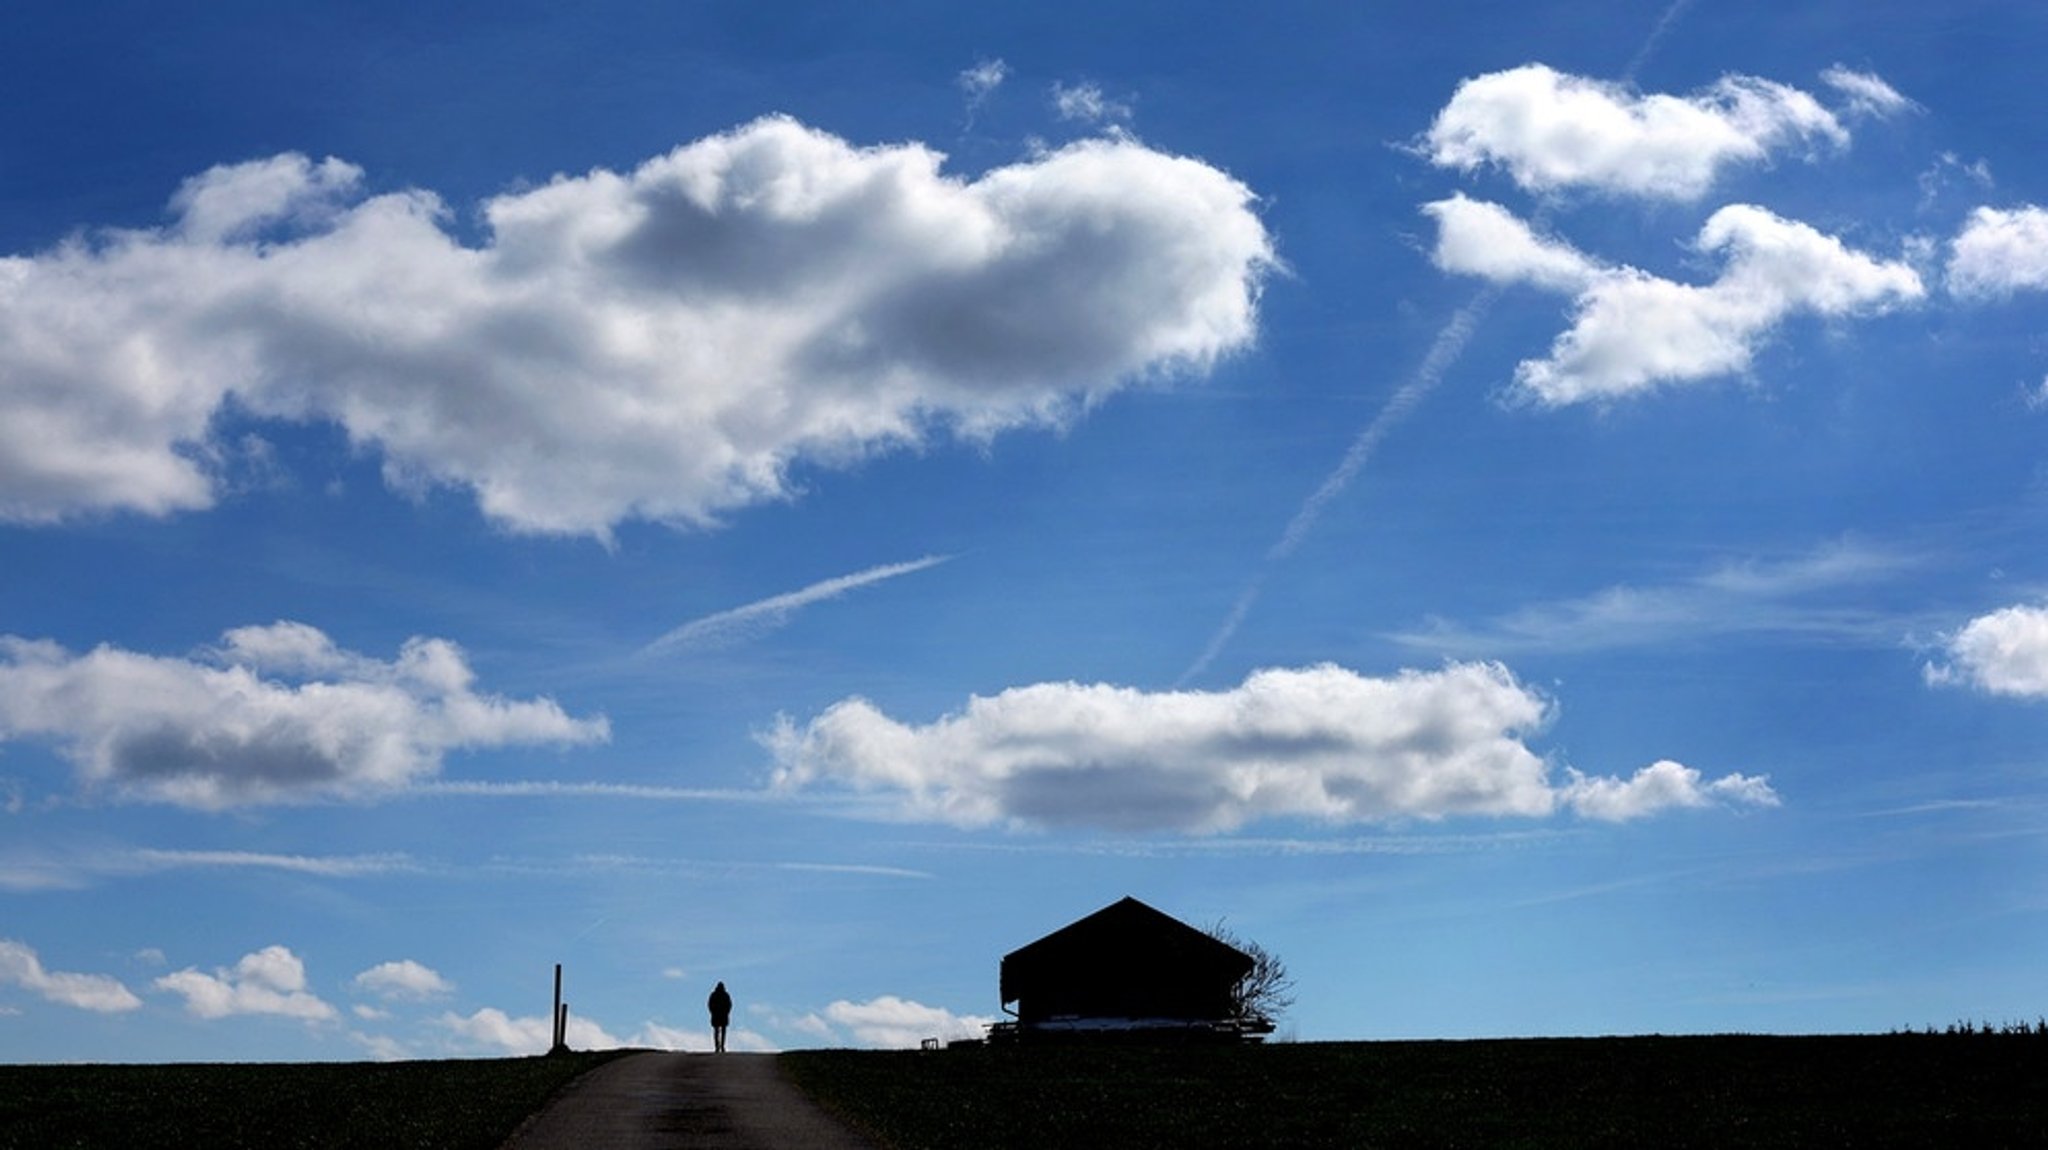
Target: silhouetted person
721, 1014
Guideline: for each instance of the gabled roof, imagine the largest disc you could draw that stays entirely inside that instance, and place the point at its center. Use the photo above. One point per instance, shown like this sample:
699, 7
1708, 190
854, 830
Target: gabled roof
1123, 933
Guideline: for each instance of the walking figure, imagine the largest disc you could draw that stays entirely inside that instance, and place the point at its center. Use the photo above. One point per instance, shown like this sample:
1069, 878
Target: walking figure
721, 1014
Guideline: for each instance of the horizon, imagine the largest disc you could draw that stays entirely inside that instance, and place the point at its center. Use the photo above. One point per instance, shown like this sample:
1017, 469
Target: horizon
1530, 514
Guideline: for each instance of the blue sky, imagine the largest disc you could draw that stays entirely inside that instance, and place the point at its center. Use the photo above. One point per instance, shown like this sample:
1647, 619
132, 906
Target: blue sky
1530, 512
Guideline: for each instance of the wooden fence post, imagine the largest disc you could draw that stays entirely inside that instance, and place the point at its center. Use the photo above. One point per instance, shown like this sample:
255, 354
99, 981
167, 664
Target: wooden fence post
559, 1016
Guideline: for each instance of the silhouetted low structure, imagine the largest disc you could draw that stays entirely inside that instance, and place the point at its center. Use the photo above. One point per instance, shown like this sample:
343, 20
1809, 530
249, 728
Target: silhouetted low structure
1127, 971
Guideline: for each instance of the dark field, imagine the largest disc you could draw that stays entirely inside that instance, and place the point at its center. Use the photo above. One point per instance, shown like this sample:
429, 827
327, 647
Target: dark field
455, 1104
1897, 1090
1892, 1090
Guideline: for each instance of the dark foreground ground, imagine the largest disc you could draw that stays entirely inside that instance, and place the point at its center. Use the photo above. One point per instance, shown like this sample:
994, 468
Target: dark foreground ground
1891, 1090
468, 1104
1985, 1090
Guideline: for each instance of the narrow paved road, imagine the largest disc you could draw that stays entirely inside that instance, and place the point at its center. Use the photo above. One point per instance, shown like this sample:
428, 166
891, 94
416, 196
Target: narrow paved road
659, 1101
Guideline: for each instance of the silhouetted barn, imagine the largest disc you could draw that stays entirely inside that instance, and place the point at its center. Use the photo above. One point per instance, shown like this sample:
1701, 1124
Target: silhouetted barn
1126, 968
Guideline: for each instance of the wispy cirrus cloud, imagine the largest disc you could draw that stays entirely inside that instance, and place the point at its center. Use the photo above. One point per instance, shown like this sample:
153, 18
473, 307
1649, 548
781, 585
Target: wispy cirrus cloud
647, 865
753, 619
330, 866
982, 80
1087, 103
1253, 846
552, 789
28, 868
1866, 93
1798, 595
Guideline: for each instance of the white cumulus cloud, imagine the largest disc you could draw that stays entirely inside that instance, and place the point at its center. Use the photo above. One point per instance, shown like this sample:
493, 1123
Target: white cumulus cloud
492, 1031
1323, 743
663, 343
1632, 331
2002, 653
1483, 239
655, 1036
403, 979
890, 1022
268, 981
1661, 786
2000, 251
1551, 131
495, 1031
275, 714
103, 994
236, 201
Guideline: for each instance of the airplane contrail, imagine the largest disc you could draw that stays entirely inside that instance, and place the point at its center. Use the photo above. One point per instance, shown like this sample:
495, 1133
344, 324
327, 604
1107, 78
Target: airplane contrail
1448, 346
1655, 39
770, 613
1443, 353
